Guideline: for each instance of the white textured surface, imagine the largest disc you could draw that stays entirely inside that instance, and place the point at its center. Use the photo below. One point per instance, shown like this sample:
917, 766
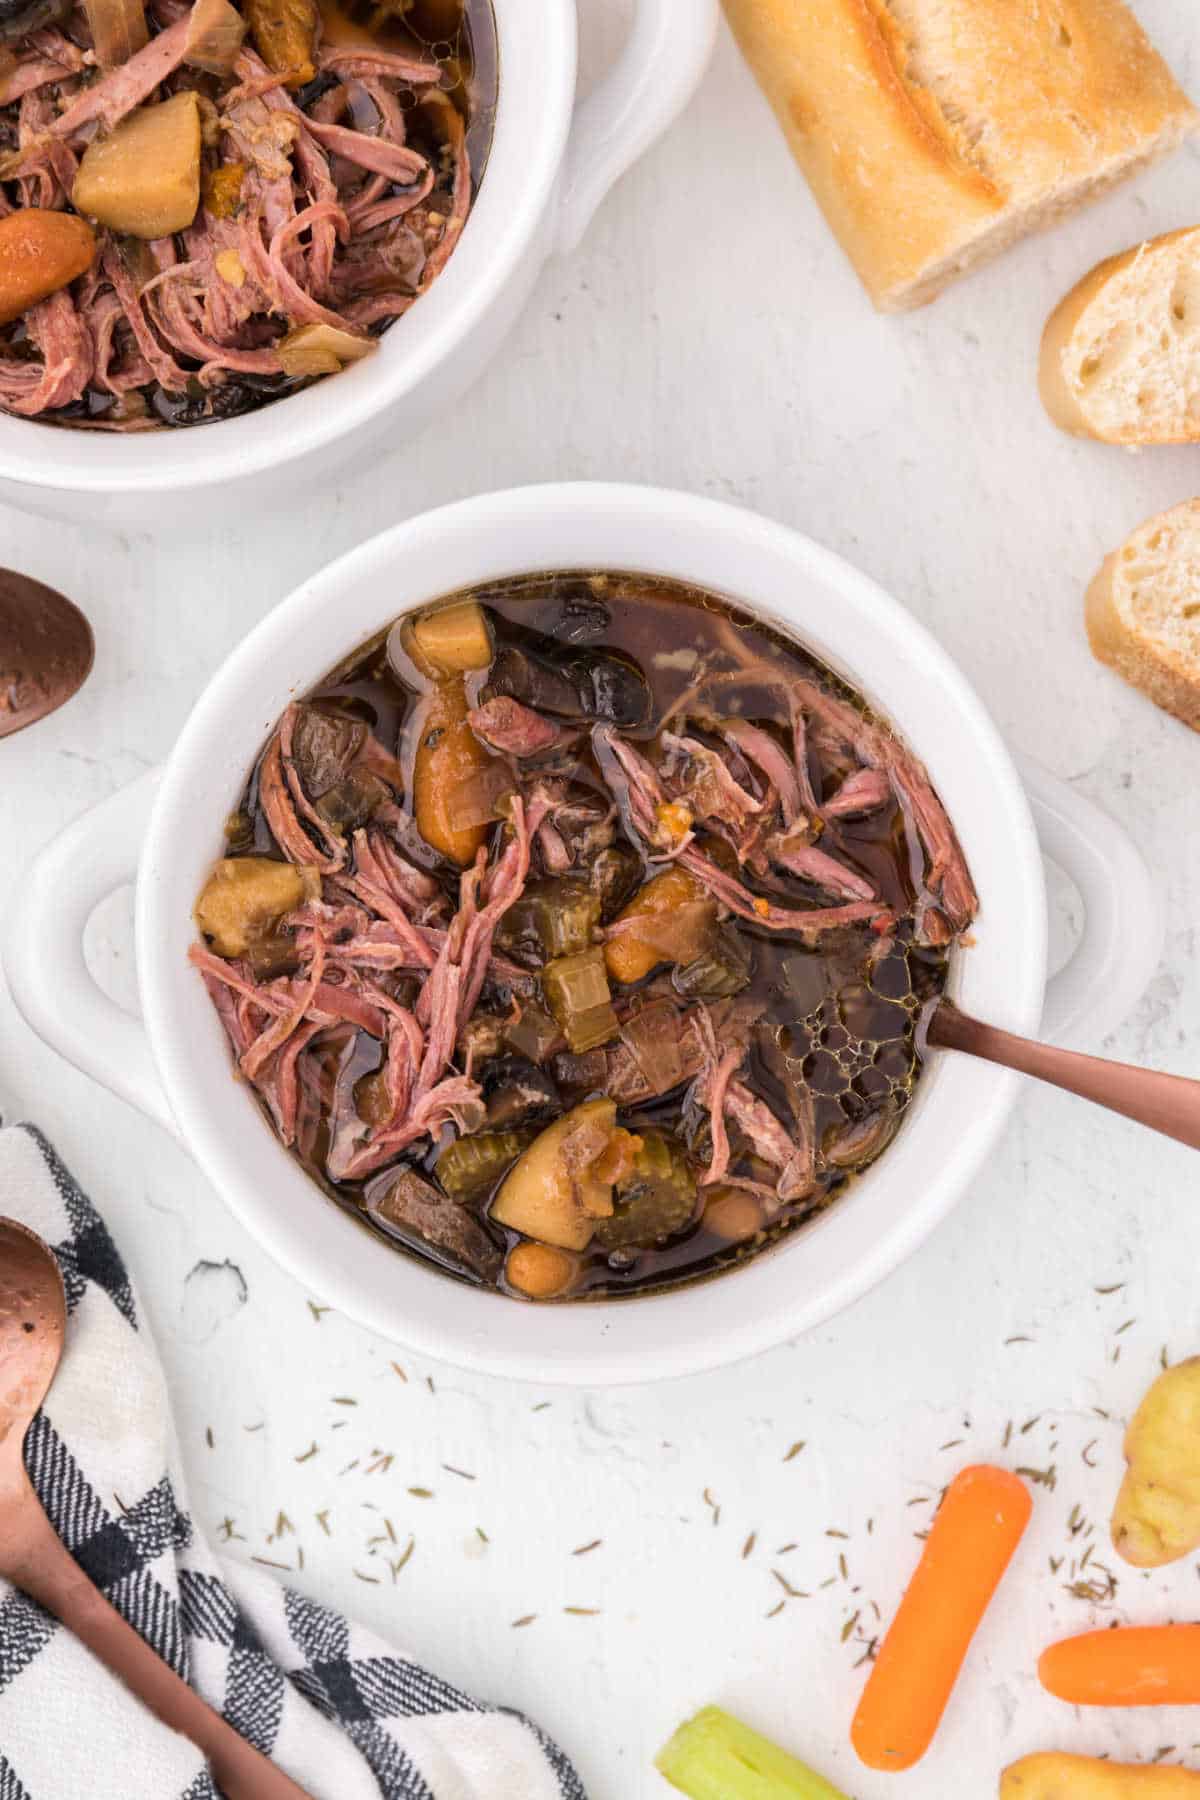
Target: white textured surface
708, 335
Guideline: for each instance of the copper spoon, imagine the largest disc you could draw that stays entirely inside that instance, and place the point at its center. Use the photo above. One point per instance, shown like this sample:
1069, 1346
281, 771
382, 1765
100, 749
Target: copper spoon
33, 1321
1167, 1103
46, 651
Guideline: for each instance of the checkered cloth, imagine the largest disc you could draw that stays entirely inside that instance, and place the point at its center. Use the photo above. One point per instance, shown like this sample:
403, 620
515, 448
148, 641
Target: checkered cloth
345, 1714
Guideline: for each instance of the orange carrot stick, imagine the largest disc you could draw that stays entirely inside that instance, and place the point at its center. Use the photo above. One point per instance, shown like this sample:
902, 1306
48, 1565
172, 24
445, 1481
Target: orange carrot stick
1151, 1665
977, 1529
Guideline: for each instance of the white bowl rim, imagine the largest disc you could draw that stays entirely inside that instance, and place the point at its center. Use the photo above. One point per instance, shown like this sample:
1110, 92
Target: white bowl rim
695, 1327
533, 118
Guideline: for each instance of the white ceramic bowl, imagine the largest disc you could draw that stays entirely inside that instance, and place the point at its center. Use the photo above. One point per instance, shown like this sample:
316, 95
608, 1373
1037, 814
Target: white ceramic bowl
550, 166
177, 1066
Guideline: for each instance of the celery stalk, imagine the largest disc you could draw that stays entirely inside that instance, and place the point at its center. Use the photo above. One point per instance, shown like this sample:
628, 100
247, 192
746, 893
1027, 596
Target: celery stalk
715, 1757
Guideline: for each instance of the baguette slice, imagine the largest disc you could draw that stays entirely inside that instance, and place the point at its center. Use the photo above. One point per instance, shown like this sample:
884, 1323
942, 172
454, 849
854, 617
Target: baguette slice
936, 132
1143, 611
1121, 354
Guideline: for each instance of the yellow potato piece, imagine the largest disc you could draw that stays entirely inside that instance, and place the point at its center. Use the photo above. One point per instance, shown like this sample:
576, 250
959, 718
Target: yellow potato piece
144, 178
244, 899
554, 1193
452, 640
1157, 1516
1054, 1776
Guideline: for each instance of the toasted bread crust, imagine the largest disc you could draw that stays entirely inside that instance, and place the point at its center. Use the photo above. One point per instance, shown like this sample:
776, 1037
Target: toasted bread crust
1168, 678
1058, 393
933, 132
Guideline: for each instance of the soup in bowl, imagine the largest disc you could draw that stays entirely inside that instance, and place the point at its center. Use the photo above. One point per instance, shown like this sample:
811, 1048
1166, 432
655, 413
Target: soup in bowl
818, 1040
286, 264
576, 933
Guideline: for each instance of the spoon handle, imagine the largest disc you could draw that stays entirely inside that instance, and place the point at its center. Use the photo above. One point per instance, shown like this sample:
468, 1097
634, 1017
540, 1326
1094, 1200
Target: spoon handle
1167, 1103
37, 1561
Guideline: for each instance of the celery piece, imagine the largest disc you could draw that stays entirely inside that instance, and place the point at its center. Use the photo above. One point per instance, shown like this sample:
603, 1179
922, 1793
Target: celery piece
715, 1757
577, 993
471, 1166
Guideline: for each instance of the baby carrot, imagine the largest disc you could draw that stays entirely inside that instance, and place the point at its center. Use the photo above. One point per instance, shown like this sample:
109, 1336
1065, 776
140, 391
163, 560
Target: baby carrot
974, 1535
1151, 1665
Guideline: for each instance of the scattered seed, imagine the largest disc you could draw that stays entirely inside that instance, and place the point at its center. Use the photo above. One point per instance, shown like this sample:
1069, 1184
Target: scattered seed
748, 1546
317, 1312
322, 1519
526, 1620
421, 1493
400, 1372
582, 1612
795, 1450
586, 1549
308, 1454
269, 1563
463, 1474
208, 1436
403, 1559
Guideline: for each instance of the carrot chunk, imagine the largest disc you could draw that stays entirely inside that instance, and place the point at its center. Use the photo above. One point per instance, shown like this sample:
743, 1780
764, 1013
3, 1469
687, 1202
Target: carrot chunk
977, 1529
1155, 1665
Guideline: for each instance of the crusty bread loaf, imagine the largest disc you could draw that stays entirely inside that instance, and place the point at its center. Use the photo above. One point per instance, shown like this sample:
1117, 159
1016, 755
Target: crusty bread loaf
1121, 354
935, 132
1143, 611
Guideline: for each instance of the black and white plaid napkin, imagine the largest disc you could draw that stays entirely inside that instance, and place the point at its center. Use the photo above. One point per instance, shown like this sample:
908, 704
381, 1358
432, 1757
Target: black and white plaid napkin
348, 1716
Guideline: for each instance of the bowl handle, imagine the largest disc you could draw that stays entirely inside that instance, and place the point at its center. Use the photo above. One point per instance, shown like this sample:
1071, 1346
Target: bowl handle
42, 947
1123, 934
656, 74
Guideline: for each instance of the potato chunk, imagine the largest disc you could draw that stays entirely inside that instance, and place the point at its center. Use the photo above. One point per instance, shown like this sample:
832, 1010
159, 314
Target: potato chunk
244, 899
1054, 1776
1157, 1516
144, 178
564, 1181
452, 639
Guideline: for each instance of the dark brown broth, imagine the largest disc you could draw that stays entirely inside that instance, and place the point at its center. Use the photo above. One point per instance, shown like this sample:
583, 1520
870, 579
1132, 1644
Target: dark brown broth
856, 1044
